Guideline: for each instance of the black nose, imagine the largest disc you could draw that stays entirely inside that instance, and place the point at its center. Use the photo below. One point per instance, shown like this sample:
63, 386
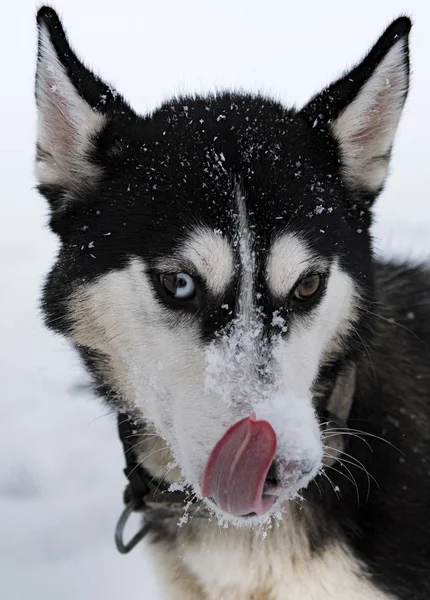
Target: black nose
271, 478
283, 473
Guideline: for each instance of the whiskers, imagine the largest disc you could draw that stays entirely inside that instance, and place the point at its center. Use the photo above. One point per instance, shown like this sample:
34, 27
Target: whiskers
345, 464
163, 478
353, 462
366, 350
392, 322
144, 437
359, 434
111, 413
140, 463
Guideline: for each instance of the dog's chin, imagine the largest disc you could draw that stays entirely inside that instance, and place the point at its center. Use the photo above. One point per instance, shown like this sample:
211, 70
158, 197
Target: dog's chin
280, 507
251, 520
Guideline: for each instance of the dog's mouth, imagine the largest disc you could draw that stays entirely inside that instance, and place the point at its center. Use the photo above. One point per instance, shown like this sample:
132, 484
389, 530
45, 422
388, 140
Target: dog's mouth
243, 478
239, 477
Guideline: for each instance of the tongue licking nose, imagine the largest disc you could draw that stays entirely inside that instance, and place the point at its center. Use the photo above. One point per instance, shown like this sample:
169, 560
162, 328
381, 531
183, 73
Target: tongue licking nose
237, 468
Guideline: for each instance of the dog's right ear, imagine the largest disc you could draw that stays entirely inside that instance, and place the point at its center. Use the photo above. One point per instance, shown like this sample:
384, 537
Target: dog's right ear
362, 110
74, 107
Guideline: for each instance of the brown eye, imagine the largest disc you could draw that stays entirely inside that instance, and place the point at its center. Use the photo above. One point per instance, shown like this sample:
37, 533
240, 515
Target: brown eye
308, 287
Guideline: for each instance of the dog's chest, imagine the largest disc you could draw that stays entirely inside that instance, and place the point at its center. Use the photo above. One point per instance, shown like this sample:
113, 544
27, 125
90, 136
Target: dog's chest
237, 567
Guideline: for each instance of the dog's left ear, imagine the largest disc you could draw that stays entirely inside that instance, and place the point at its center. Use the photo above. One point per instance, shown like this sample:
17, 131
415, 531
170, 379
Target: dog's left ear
74, 107
362, 109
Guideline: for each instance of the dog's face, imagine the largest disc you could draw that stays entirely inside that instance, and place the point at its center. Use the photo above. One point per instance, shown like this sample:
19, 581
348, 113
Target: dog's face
215, 263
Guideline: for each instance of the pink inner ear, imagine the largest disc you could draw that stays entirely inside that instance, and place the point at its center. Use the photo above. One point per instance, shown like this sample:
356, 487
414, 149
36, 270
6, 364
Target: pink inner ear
60, 129
59, 135
67, 123
67, 126
374, 114
374, 121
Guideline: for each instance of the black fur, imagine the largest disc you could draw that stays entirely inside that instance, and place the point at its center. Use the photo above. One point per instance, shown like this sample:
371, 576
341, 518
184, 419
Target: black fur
180, 166
390, 527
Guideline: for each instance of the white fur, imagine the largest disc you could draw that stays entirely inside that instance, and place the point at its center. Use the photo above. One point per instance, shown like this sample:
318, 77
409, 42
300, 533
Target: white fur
245, 565
193, 392
158, 367
66, 124
287, 260
233, 575
366, 128
299, 355
210, 254
244, 241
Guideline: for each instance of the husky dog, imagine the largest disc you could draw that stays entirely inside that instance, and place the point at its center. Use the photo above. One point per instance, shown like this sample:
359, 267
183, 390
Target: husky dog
216, 275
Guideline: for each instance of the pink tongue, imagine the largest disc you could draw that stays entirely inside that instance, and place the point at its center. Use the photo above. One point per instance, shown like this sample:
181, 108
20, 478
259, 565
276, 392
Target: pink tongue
237, 468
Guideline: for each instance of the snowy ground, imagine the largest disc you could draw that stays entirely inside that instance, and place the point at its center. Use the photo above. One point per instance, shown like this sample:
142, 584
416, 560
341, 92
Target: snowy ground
60, 465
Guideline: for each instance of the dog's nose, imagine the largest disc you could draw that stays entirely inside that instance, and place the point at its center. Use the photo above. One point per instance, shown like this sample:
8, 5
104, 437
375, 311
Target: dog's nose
271, 477
283, 474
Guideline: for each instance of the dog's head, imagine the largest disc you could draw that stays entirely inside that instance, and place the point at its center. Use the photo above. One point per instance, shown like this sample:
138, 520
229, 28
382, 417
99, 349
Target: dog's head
215, 266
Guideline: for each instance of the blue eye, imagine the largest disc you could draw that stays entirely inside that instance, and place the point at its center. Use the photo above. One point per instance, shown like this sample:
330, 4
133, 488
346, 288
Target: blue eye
180, 286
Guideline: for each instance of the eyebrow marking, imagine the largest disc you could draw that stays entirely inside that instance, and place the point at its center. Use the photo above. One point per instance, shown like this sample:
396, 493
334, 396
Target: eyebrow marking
209, 253
288, 258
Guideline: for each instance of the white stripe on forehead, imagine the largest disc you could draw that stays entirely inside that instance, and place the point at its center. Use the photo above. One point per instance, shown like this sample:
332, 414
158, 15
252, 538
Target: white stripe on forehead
211, 255
243, 240
214, 259
289, 257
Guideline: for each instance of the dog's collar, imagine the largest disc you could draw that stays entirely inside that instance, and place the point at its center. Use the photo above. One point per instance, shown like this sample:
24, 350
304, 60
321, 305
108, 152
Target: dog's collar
144, 493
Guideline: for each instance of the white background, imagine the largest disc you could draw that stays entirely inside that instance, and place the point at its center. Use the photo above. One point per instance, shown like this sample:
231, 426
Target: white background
60, 461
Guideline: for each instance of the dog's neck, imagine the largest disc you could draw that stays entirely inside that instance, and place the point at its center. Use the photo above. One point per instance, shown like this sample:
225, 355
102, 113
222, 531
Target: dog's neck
203, 561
